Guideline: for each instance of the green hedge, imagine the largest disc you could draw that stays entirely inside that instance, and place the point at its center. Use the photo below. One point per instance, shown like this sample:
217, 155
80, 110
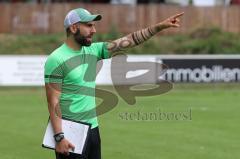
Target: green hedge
200, 41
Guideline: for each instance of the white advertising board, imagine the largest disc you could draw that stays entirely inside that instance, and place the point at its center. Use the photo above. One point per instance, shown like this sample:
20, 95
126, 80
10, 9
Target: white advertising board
21, 70
28, 70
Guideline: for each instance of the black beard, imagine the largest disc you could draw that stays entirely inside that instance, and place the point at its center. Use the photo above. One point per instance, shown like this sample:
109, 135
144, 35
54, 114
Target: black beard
81, 40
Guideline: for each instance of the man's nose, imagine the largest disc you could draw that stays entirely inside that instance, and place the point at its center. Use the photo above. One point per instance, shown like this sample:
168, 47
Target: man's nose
93, 30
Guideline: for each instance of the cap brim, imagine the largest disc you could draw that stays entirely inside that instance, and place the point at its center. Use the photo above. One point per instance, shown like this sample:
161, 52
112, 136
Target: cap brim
97, 17
91, 18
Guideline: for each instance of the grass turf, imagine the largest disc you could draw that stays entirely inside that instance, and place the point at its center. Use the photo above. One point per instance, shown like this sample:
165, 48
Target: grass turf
199, 41
211, 133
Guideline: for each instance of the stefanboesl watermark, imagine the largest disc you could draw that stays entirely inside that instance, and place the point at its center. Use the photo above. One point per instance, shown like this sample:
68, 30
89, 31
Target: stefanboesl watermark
109, 100
158, 115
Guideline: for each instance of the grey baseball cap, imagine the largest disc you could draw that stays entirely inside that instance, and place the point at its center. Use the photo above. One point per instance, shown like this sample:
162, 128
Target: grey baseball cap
80, 15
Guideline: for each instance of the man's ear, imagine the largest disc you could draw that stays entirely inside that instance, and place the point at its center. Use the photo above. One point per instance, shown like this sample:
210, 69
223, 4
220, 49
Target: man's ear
73, 29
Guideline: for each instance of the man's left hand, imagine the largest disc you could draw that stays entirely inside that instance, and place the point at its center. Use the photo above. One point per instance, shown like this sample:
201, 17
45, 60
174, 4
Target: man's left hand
173, 21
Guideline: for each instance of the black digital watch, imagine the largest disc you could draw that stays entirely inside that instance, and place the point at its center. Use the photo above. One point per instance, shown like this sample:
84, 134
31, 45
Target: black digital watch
58, 137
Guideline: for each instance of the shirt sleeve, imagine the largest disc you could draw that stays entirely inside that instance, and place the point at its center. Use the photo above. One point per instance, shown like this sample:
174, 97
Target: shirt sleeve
102, 50
52, 71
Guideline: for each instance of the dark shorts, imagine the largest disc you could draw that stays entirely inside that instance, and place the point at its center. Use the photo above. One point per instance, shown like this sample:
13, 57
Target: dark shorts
93, 149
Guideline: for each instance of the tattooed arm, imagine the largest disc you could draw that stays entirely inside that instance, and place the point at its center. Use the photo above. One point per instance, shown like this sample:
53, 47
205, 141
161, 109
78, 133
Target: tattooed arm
143, 35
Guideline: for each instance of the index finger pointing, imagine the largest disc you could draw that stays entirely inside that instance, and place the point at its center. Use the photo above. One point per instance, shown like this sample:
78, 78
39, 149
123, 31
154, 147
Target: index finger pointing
178, 15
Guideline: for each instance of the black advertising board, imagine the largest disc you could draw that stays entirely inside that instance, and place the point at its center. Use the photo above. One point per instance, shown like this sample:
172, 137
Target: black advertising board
202, 70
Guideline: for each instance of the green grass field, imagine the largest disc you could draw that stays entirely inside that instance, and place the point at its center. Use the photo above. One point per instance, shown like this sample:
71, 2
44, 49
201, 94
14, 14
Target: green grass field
212, 132
208, 40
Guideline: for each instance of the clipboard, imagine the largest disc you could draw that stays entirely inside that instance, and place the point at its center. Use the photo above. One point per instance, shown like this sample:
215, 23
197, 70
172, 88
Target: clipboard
74, 131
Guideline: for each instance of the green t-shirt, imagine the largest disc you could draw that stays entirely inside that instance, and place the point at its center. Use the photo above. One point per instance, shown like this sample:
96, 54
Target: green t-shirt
75, 72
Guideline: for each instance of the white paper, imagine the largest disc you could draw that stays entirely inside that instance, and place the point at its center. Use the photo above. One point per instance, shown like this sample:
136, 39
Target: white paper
74, 132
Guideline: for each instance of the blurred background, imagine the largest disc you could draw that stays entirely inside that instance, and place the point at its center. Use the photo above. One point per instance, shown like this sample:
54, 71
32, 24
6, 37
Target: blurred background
197, 118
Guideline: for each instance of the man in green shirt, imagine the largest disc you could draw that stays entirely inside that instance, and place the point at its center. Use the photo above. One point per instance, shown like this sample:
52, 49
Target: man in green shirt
70, 73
